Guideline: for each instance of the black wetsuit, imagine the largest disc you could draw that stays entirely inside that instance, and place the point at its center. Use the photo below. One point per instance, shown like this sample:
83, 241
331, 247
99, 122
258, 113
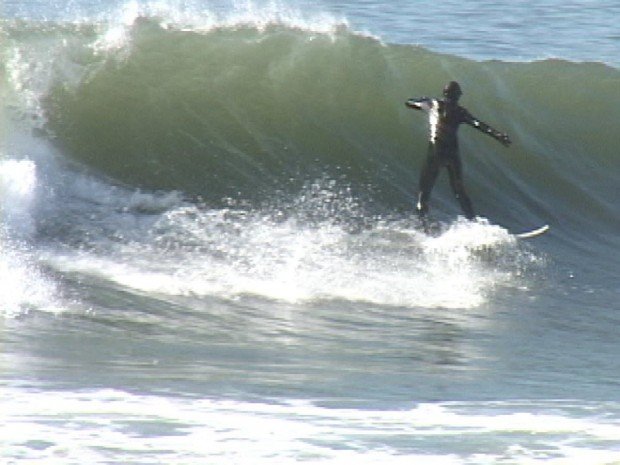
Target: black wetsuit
445, 116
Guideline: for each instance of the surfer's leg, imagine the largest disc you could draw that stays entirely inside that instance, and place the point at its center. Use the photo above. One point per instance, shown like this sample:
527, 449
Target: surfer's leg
456, 181
428, 176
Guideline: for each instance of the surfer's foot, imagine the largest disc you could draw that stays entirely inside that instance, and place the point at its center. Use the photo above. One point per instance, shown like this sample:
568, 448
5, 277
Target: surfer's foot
428, 226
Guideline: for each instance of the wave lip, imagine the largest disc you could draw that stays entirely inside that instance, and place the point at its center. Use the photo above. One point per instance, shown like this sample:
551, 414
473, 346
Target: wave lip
119, 24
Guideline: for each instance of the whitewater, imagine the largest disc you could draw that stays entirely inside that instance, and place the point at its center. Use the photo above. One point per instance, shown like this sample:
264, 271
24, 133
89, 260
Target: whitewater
209, 251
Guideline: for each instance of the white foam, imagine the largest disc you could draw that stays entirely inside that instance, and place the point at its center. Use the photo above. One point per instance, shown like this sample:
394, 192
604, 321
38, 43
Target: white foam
230, 253
18, 182
99, 426
22, 285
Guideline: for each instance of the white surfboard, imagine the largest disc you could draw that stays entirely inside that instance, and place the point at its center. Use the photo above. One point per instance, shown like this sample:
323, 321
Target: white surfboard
533, 232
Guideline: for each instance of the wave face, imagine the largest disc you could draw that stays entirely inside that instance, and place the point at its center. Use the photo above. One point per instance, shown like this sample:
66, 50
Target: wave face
243, 110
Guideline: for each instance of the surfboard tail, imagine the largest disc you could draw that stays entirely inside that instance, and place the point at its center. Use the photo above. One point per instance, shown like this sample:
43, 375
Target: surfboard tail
533, 233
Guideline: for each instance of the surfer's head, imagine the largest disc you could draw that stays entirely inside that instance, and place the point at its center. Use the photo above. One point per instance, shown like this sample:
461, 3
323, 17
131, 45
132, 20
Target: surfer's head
452, 91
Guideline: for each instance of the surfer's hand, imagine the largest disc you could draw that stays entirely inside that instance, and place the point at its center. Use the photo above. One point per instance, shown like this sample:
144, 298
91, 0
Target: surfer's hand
423, 103
504, 139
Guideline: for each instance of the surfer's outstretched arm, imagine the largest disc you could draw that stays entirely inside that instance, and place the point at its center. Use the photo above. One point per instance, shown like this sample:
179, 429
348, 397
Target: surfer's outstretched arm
488, 130
423, 103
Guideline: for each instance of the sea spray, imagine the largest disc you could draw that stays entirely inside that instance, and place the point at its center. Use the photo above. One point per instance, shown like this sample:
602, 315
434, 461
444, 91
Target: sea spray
317, 250
23, 286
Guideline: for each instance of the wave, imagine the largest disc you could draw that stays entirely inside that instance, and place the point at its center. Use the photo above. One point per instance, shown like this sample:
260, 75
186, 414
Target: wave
563, 431
243, 109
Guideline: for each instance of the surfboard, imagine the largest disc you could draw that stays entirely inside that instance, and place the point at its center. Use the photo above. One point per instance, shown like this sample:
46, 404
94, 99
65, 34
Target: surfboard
533, 232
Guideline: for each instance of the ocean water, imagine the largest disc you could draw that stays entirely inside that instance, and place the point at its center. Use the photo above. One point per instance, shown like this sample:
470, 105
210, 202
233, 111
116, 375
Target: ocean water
209, 252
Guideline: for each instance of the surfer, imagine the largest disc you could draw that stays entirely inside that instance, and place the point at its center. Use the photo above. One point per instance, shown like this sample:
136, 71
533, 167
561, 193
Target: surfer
445, 116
